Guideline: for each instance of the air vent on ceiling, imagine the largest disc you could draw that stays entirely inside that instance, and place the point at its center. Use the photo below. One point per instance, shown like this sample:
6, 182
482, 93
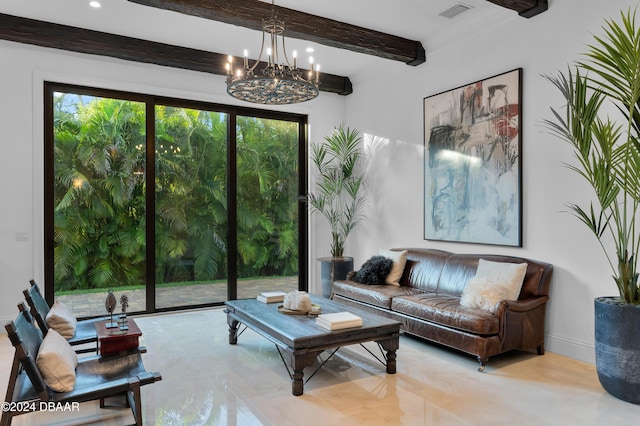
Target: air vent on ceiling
455, 10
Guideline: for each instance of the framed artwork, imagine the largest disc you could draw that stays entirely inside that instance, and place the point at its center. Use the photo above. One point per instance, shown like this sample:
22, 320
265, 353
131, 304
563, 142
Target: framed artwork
472, 178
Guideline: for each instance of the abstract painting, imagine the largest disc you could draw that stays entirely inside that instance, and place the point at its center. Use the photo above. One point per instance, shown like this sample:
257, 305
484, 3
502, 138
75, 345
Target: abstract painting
472, 179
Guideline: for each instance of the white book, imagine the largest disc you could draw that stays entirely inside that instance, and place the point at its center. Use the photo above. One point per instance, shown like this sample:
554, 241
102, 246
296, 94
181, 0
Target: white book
352, 322
339, 317
338, 320
339, 326
271, 296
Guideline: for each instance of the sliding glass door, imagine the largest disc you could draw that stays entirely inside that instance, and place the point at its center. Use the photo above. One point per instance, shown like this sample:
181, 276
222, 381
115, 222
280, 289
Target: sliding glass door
267, 205
174, 203
97, 189
190, 206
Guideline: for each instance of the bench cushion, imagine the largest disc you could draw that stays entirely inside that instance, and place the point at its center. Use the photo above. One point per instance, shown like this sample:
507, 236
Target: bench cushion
447, 311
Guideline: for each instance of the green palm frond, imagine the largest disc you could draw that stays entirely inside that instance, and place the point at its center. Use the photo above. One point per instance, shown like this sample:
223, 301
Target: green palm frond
607, 152
340, 164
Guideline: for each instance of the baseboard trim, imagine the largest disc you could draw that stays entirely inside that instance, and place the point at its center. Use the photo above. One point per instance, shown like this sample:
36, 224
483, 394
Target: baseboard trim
572, 348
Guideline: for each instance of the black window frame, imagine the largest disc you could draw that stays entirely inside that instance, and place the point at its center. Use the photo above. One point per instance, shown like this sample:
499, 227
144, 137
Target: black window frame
151, 101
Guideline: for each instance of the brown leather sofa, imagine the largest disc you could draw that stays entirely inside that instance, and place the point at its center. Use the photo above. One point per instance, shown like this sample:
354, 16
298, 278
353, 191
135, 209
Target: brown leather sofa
427, 303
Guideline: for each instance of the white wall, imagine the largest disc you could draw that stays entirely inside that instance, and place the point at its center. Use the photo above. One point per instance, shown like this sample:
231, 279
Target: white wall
388, 103
23, 70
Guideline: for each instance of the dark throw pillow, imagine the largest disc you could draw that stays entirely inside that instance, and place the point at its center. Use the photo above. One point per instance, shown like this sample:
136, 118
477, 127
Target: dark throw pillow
374, 271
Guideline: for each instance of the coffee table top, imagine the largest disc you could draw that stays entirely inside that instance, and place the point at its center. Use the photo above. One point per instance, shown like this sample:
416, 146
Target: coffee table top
301, 331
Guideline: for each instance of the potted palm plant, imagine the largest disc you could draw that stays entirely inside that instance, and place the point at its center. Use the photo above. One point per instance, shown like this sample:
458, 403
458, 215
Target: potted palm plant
340, 164
601, 121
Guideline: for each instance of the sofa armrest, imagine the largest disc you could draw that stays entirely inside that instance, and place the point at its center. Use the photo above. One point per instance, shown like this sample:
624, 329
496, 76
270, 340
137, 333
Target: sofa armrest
524, 305
522, 323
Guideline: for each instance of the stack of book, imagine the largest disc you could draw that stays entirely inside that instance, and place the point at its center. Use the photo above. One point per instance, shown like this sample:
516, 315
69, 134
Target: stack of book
339, 320
271, 296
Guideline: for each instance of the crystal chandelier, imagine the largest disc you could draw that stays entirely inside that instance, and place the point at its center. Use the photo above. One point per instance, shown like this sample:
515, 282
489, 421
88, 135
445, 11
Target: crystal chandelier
278, 83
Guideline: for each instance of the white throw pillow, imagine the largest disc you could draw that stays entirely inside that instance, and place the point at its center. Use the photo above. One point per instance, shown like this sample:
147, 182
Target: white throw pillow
62, 320
57, 362
399, 260
493, 282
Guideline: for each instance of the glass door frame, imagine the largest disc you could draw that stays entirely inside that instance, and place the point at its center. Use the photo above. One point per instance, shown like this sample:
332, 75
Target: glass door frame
232, 247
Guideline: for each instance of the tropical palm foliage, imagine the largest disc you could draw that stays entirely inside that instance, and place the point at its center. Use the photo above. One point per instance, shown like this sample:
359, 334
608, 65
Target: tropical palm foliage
99, 206
608, 149
190, 193
340, 163
267, 196
100, 194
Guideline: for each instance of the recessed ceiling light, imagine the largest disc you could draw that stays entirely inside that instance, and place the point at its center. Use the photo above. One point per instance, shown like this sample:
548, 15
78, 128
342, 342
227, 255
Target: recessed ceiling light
95, 4
309, 49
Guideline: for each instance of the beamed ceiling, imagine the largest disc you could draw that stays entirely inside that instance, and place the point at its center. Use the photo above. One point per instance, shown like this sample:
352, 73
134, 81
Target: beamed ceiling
75, 39
305, 26
300, 25
525, 8
29, 22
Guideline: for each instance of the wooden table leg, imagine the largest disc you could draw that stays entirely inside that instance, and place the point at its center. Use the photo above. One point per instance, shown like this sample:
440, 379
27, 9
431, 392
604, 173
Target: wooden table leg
391, 346
233, 330
391, 362
297, 384
299, 362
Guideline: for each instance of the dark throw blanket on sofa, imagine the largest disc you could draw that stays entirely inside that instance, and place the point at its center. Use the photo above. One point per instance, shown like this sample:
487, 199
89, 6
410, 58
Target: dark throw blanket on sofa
374, 271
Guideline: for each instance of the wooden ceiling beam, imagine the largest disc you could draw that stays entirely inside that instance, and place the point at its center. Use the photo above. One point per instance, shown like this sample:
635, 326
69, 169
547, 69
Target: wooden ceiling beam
46, 34
300, 25
525, 8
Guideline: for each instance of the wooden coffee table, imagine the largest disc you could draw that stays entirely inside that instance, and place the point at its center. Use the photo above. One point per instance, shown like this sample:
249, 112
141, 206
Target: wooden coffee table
302, 340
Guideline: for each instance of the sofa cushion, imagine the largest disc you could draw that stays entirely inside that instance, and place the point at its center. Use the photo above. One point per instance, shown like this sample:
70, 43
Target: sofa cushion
456, 273
399, 259
377, 295
493, 282
447, 311
423, 268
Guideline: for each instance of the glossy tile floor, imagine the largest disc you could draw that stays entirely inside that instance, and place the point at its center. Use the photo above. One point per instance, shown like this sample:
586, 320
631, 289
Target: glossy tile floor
206, 381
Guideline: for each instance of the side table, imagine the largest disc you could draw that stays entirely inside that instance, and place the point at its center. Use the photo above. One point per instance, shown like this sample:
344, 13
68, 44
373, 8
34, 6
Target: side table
113, 340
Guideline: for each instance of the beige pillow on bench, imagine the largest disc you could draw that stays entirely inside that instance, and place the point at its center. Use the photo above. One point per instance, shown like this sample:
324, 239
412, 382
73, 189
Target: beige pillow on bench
57, 362
62, 320
493, 282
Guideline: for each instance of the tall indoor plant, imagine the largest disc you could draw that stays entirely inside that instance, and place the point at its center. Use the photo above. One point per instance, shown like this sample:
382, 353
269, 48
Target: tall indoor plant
340, 164
602, 122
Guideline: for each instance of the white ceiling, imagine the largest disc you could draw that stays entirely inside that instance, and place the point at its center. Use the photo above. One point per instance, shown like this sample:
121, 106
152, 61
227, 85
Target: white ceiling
412, 19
